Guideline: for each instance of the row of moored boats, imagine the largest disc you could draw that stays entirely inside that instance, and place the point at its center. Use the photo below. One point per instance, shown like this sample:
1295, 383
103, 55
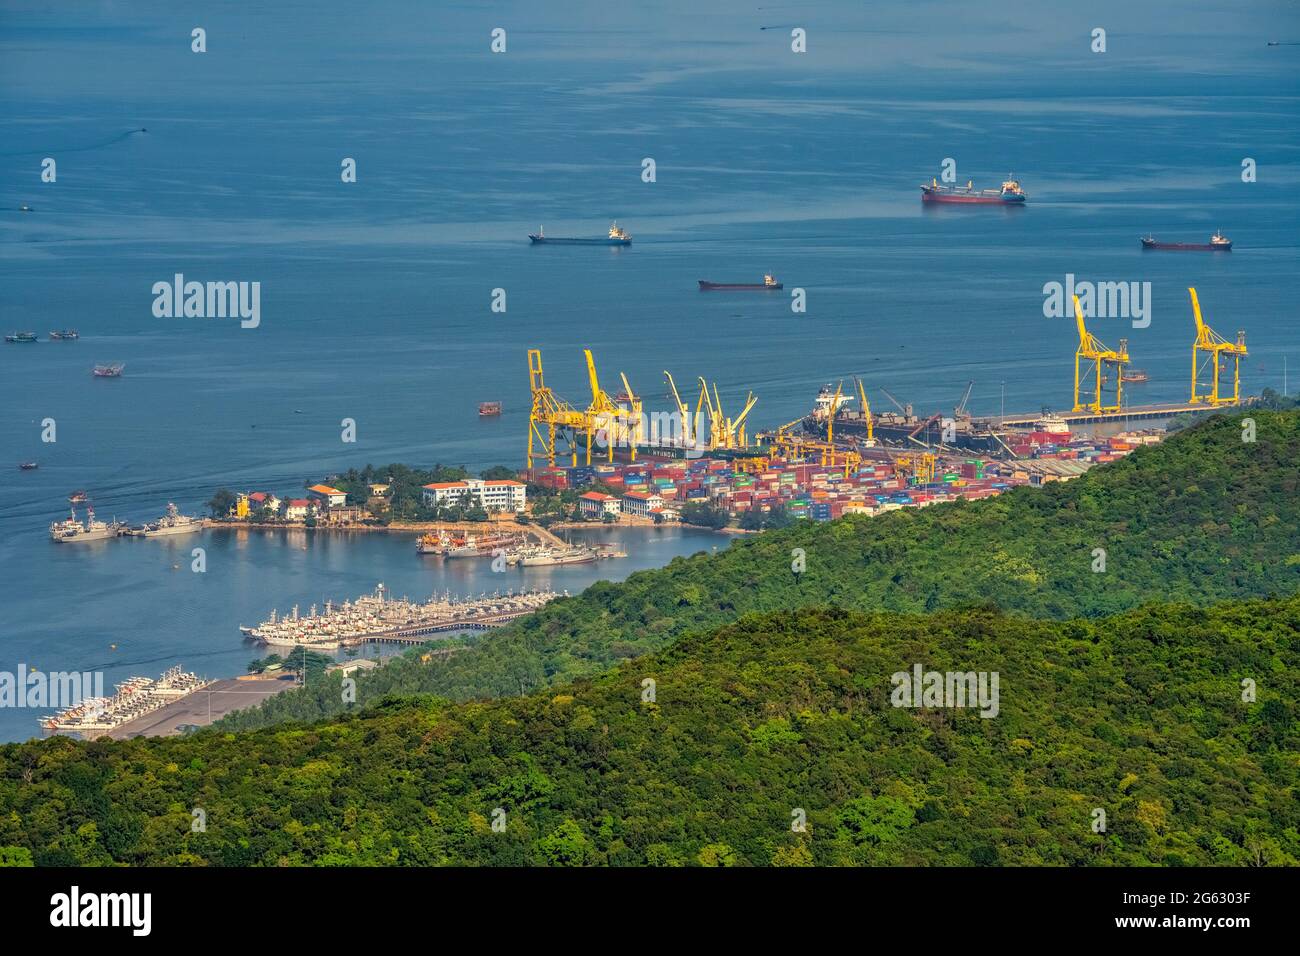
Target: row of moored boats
74, 530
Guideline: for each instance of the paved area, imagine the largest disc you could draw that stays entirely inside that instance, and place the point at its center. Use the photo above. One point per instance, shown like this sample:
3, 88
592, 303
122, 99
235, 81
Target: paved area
202, 708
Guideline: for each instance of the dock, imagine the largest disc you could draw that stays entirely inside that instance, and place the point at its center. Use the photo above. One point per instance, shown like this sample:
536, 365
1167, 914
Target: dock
1129, 413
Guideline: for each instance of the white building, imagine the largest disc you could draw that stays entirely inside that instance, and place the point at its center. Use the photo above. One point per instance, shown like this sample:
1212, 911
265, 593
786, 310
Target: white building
594, 504
641, 503
497, 495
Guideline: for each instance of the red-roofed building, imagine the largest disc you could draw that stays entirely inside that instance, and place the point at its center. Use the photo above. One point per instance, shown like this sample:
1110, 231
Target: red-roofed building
594, 504
330, 497
297, 509
641, 503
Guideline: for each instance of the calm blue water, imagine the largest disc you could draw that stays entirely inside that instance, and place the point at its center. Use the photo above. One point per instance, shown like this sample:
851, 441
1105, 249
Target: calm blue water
375, 295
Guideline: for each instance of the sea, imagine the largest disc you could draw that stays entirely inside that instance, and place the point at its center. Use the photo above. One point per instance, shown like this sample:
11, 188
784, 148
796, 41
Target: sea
729, 139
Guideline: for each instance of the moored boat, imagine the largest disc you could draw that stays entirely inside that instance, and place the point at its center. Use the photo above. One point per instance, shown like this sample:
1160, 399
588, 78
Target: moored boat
173, 522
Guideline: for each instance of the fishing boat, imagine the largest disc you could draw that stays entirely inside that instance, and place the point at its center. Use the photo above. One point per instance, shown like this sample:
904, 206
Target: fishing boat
1218, 243
64, 335
1135, 375
109, 371
28, 465
488, 409
21, 337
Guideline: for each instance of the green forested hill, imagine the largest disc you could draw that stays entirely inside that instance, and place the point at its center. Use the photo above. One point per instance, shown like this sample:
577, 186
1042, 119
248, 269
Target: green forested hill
1139, 715
1201, 518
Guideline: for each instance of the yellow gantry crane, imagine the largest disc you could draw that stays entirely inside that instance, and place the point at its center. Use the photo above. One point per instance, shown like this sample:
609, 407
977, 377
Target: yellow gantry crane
922, 466
724, 432
1100, 358
608, 418
866, 413
1206, 350
550, 417
690, 427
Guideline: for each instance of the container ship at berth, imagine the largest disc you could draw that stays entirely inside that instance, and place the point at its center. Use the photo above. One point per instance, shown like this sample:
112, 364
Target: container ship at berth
1009, 195
769, 282
1218, 243
904, 429
616, 237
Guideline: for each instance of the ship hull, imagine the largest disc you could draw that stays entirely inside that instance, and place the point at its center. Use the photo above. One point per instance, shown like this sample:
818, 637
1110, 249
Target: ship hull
87, 536
548, 241
1187, 246
737, 286
174, 529
972, 199
901, 435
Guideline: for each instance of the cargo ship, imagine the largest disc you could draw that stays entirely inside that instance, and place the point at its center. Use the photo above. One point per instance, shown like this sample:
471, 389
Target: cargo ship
21, 337
616, 237
1218, 243
489, 409
108, 371
769, 282
1009, 195
905, 429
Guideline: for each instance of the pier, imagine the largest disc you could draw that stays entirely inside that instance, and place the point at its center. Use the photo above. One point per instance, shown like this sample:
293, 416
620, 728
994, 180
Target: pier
1130, 413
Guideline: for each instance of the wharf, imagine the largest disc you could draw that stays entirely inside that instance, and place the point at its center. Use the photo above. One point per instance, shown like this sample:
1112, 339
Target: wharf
1128, 413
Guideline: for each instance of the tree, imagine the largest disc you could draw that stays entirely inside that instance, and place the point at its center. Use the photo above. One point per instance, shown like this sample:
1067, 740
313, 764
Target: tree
221, 502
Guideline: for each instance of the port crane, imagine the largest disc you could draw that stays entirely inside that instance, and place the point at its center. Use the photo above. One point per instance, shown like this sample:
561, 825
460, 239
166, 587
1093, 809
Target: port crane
1208, 349
723, 431
1099, 359
866, 413
551, 418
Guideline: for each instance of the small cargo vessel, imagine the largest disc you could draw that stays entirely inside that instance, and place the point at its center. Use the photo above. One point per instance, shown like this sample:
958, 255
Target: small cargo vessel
1009, 195
769, 282
489, 409
1218, 243
64, 335
616, 237
21, 337
109, 371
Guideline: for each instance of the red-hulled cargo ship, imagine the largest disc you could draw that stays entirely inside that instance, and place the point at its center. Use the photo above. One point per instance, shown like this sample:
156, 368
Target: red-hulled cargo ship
1009, 195
1218, 243
769, 282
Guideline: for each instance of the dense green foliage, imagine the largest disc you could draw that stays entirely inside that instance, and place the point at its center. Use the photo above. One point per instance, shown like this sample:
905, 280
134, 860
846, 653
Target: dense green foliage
1140, 716
1201, 518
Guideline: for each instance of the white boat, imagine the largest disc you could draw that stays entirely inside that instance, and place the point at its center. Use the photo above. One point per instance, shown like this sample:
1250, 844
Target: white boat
173, 522
70, 530
546, 557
